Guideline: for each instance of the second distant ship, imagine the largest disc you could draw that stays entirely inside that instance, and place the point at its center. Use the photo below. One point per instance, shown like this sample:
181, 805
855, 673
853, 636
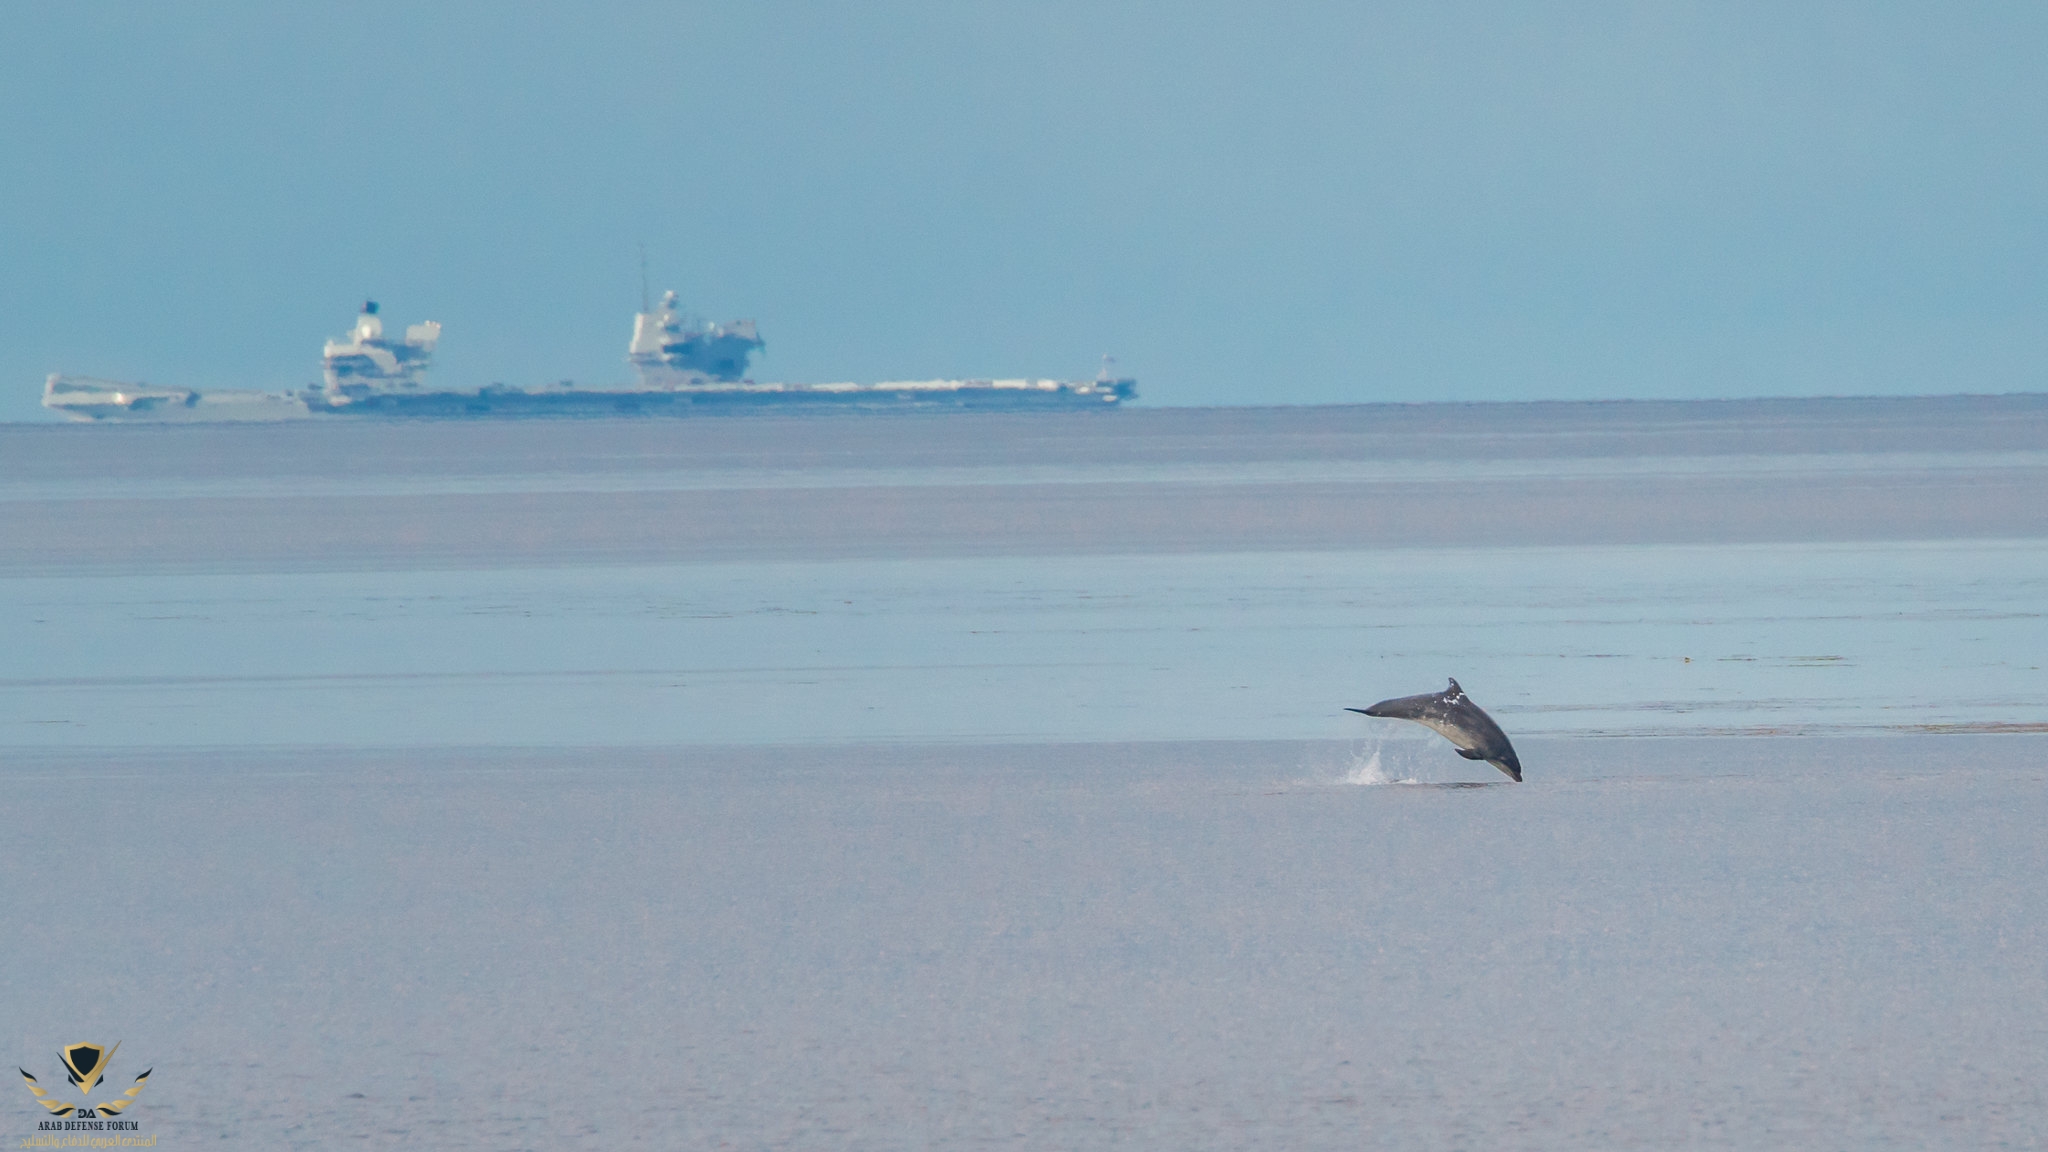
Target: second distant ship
680, 366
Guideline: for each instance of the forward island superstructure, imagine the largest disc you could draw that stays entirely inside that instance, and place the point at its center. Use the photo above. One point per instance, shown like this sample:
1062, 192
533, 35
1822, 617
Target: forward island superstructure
680, 366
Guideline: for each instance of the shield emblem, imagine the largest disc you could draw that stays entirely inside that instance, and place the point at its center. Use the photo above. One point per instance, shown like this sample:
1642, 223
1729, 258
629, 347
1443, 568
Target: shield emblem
86, 1063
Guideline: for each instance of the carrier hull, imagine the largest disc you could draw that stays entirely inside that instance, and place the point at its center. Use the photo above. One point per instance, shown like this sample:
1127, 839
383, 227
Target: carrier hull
114, 405
688, 402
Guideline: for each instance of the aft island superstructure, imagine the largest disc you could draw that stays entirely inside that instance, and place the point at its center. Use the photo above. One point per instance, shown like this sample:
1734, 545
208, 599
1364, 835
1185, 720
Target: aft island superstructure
680, 365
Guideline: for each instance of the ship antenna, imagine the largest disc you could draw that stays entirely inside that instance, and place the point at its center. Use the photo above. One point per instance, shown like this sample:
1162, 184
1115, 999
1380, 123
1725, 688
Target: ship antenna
646, 302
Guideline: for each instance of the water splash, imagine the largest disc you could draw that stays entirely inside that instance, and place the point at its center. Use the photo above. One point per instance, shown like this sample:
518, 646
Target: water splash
1366, 769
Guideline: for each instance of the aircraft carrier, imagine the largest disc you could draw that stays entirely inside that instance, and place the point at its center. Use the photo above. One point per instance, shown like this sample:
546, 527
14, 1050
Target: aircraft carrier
681, 366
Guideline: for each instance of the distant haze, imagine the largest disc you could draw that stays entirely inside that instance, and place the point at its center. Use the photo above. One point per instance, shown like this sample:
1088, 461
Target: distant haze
1246, 204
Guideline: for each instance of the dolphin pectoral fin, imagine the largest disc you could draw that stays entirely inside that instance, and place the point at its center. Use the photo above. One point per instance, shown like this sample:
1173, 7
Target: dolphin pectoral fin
1471, 754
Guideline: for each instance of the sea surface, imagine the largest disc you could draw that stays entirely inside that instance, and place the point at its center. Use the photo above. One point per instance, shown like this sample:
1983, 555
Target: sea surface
977, 779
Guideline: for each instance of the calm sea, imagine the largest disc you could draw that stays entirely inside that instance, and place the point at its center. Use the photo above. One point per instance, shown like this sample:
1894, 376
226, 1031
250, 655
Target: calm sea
968, 780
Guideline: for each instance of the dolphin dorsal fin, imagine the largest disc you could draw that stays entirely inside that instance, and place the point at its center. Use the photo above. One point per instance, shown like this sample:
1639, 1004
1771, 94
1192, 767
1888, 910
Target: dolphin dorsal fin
1455, 690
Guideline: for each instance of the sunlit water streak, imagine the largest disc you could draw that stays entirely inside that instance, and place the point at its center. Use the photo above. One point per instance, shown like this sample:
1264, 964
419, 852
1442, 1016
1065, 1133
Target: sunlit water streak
1637, 640
374, 483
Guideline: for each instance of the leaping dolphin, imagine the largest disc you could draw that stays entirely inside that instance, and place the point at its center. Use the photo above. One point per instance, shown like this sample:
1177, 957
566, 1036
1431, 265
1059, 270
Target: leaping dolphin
1457, 719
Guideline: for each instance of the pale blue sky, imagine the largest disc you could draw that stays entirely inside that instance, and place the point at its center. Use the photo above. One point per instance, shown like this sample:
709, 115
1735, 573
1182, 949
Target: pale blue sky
1245, 203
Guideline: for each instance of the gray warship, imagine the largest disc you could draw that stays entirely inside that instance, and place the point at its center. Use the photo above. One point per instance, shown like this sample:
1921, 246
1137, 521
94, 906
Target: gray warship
681, 366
